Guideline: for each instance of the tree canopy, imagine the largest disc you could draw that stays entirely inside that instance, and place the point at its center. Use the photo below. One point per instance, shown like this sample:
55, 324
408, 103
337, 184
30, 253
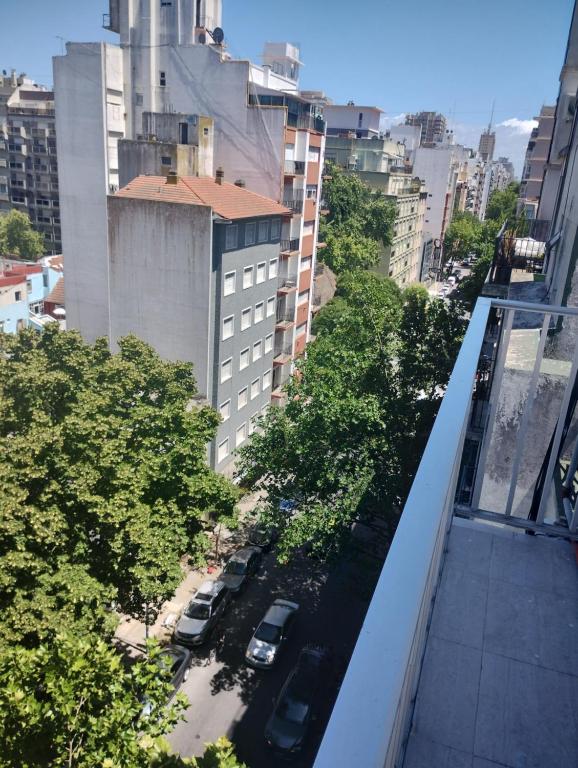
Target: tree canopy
18, 237
502, 203
346, 446
358, 221
74, 703
104, 484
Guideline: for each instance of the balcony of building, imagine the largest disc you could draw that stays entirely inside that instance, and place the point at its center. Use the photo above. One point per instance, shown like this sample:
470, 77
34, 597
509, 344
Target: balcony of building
289, 247
288, 276
521, 252
282, 353
285, 314
467, 656
294, 201
294, 168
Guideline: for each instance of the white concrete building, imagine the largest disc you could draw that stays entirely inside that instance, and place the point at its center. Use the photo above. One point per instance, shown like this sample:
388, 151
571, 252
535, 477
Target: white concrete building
171, 58
438, 167
352, 120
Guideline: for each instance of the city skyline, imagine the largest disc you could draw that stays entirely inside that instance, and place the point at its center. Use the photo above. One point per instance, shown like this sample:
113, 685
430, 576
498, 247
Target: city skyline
456, 84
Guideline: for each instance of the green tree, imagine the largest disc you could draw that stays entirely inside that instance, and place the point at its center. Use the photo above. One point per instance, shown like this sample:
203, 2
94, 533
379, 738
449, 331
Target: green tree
502, 203
347, 444
462, 236
358, 222
18, 238
73, 703
104, 484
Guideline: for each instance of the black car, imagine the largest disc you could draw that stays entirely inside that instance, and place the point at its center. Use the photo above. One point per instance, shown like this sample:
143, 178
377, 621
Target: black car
240, 566
175, 660
262, 536
298, 701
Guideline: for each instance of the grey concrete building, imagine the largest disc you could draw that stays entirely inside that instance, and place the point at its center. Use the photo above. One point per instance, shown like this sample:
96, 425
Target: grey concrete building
194, 270
433, 127
28, 160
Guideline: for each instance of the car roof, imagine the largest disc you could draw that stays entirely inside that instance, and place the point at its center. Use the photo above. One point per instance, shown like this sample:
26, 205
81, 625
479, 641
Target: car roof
210, 588
278, 613
242, 555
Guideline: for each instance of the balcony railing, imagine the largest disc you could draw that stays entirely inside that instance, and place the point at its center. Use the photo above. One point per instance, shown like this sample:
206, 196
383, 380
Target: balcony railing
306, 122
517, 455
284, 316
288, 246
294, 204
294, 167
287, 283
520, 244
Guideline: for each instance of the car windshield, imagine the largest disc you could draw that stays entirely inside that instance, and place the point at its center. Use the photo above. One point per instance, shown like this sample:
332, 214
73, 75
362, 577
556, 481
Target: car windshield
204, 597
293, 710
268, 633
236, 568
197, 611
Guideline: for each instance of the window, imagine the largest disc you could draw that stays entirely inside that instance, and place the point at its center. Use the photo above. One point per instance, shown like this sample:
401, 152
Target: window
248, 277
268, 343
301, 329
229, 286
139, 100
228, 327
305, 263
311, 192
231, 237
166, 161
266, 380
257, 350
17, 295
308, 228
275, 229
253, 422
223, 450
226, 370
258, 312
254, 389
263, 231
273, 265
271, 306
264, 410
303, 297
225, 410
261, 272
313, 154
244, 359
246, 319
250, 233
162, 79
242, 398
241, 435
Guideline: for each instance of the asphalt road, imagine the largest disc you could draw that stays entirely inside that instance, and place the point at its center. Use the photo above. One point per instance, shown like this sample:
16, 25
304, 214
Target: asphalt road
229, 698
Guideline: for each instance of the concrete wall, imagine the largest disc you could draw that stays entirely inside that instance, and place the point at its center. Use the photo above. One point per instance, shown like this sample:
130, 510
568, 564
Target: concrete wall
160, 279
87, 85
13, 314
148, 157
434, 167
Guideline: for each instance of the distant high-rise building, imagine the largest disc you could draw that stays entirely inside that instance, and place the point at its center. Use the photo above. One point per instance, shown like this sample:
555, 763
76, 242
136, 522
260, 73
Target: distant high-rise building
433, 127
487, 145
28, 163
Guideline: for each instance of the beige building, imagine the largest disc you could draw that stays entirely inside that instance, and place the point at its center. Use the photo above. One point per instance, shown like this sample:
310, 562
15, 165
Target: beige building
535, 163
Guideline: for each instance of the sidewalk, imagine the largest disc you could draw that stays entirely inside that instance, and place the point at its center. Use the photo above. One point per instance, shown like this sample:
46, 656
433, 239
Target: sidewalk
132, 632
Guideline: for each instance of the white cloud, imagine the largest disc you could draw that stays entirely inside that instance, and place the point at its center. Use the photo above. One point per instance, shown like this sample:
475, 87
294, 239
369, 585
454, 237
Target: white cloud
386, 121
522, 127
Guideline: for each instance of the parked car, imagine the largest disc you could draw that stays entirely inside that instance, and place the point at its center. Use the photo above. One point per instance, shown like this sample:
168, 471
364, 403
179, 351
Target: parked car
297, 704
176, 660
240, 566
262, 536
265, 645
202, 613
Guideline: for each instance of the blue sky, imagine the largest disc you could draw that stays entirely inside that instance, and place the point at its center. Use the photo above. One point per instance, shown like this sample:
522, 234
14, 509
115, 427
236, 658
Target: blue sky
454, 56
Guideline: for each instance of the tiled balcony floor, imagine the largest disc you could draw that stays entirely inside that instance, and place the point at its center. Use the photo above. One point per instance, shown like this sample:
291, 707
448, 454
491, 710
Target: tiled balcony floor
499, 684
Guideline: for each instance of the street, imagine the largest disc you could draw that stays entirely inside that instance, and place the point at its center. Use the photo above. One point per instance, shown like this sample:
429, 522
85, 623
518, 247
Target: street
229, 698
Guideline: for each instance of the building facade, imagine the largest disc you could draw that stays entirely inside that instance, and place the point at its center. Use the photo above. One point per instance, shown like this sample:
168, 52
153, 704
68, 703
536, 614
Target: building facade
487, 145
535, 163
265, 135
24, 290
350, 120
28, 156
433, 127
195, 265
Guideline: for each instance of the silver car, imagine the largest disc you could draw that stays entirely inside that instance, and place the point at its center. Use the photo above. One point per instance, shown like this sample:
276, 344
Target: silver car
202, 613
270, 635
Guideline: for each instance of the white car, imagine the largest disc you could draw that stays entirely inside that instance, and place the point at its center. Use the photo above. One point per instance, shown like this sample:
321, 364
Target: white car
270, 635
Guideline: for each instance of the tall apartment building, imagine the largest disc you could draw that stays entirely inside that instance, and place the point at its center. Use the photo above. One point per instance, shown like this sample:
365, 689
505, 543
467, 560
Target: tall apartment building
381, 164
487, 145
172, 59
195, 267
28, 156
433, 127
439, 167
535, 163
352, 120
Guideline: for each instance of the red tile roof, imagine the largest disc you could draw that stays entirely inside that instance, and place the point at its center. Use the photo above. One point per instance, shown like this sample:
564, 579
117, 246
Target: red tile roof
23, 269
56, 295
56, 262
227, 200
6, 281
